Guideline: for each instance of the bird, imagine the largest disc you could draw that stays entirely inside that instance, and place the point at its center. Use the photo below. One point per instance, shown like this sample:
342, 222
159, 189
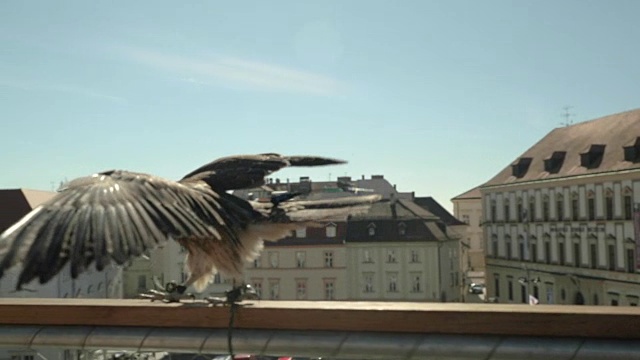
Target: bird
115, 216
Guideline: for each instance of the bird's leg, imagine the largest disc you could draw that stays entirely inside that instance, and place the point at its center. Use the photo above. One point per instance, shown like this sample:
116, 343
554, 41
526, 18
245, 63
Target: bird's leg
172, 292
235, 295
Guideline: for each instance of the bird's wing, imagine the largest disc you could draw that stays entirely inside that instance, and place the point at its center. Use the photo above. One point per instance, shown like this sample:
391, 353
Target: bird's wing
114, 215
249, 171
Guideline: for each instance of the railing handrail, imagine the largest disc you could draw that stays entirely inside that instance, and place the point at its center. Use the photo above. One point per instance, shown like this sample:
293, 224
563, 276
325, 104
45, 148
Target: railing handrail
393, 317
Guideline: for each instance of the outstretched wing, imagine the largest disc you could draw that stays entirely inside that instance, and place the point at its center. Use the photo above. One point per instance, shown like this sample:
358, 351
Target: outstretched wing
249, 171
114, 215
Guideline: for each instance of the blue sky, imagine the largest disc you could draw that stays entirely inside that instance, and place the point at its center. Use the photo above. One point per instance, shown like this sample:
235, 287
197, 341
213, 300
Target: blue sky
438, 96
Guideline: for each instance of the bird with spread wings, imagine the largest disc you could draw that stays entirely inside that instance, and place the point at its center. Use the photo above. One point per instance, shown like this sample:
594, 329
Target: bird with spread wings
115, 216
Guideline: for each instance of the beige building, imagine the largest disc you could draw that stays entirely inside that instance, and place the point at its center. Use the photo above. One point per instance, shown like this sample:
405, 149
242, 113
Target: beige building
414, 253
468, 208
399, 251
163, 264
560, 219
308, 265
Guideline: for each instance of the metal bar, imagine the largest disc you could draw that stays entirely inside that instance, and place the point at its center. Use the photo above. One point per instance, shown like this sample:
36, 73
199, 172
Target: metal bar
325, 344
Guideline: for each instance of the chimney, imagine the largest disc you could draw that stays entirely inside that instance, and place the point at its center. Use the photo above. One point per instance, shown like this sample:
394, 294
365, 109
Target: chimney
392, 203
377, 177
305, 185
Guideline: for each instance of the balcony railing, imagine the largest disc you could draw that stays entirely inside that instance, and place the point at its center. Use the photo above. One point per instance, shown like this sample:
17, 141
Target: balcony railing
335, 330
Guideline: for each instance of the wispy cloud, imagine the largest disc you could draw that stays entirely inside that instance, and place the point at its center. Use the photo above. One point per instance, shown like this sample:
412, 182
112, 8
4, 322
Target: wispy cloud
26, 85
231, 71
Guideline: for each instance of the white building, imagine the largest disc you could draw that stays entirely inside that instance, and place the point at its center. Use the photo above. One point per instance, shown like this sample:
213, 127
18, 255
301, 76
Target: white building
559, 221
468, 208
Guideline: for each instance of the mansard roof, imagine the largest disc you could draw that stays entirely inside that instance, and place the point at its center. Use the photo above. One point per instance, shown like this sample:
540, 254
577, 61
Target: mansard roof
607, 144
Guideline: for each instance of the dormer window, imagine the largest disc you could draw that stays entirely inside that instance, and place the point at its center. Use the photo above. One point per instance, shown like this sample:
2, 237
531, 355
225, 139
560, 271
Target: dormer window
632, 151
331, 230
520, 168
372, 229
402, 229
592, 158
553, 164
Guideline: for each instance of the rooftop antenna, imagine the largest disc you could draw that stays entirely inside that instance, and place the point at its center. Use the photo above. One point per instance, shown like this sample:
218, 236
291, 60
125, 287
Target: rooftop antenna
567, 116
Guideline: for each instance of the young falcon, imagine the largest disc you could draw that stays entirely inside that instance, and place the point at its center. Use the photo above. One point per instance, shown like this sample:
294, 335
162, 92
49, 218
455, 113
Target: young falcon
118, 215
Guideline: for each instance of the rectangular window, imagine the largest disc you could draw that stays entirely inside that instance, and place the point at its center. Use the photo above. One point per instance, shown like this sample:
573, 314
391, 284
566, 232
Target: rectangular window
520, 214
628, 207
523, 294
217, 278
257, 285
301, 233
329, 289
591, 203
494, 246
142, 282
594, 256
331, 231
274, 289
574, 210
609, 208
465, 219
508, 247
273, 259
301, 289
392, 282
366, 256
532, 211
493, 213
611, 252
547, 252
496, 285
510, 289
301, 258
256, 262
368, 282
577, 261
545, 210
416, 282
414, 256
631, 261
328, 259
534, 252
507, 215
560, 210
561, 255
391, 256
521, 250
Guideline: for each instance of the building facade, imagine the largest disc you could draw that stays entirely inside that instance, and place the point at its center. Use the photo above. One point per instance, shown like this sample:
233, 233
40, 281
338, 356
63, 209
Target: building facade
559, 221
399, 251
468, 208
319, 263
